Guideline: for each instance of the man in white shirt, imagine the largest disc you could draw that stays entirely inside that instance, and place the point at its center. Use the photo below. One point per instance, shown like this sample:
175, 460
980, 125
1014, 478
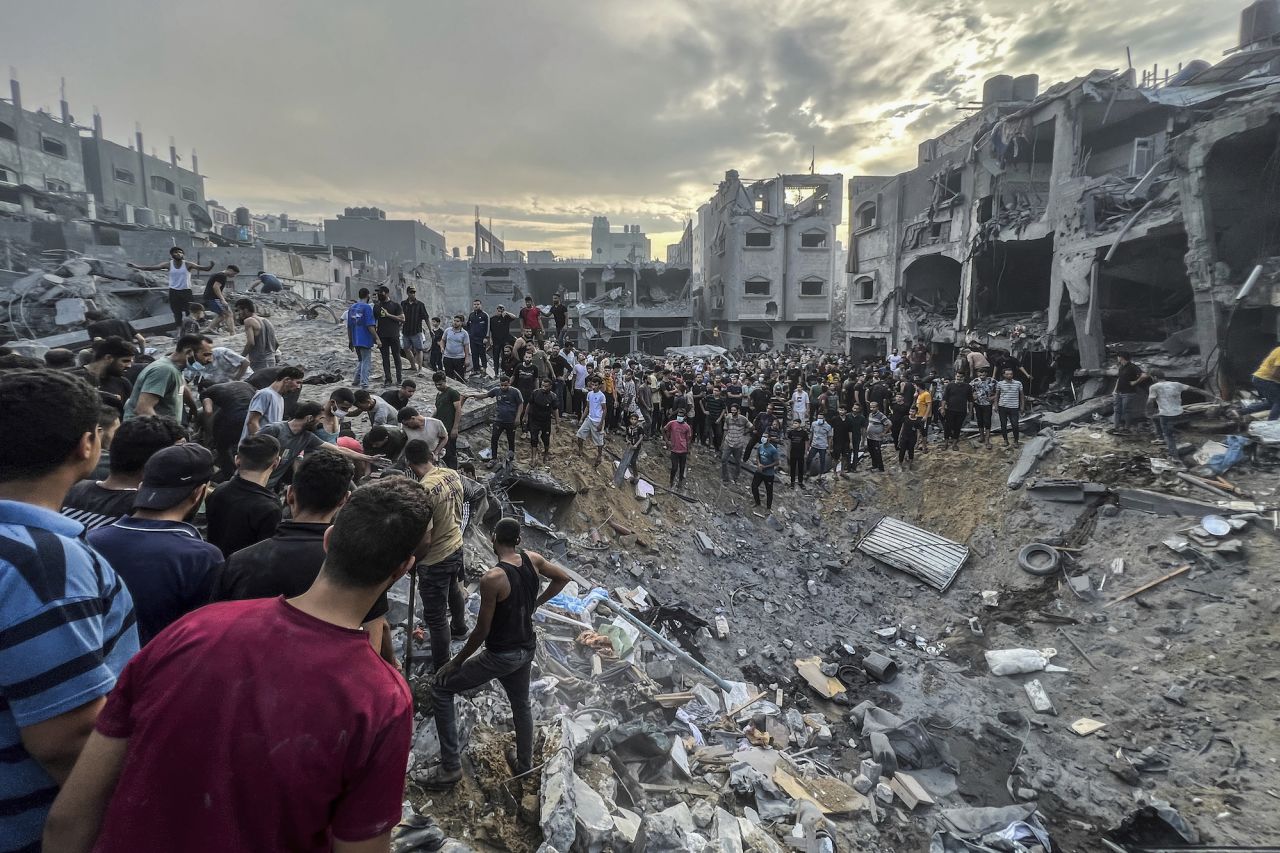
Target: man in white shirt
593, 423
800, 405
227, 366
1166, 397
422, 428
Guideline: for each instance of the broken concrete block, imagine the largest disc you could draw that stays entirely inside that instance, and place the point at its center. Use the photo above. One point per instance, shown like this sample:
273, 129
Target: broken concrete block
666, 831
591, 815
722, 627
884, 793
704, 811
726, 835
862, 784
882, 753
626, 824
871, 770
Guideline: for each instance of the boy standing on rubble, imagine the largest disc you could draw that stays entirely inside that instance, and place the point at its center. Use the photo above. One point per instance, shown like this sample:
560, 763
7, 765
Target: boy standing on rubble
508, 598
592, 425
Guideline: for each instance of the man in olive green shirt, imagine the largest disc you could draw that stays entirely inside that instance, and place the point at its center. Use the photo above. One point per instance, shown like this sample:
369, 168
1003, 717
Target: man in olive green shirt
161, 390
440, 572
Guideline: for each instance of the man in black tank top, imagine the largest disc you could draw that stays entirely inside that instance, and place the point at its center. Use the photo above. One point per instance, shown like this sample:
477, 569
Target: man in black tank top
508, 597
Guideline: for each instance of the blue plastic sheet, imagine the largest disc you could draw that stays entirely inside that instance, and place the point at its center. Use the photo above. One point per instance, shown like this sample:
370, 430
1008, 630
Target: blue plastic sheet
576, 605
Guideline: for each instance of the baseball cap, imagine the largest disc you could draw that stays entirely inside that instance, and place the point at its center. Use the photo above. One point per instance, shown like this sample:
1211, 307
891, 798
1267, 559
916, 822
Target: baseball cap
171, 474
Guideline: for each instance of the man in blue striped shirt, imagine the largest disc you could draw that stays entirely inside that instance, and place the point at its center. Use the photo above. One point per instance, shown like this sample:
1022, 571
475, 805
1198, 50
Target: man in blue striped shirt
66, 619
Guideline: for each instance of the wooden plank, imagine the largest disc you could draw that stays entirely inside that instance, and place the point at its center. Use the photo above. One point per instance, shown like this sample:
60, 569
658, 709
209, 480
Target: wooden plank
1147, 586
911, 792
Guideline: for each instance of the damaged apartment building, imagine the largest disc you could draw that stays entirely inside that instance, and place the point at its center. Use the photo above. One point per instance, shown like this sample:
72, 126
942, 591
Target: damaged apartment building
1120, 210
766, 256
623, 304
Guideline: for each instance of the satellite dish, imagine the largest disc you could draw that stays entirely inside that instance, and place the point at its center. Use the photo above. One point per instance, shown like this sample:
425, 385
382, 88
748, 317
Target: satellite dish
200, 217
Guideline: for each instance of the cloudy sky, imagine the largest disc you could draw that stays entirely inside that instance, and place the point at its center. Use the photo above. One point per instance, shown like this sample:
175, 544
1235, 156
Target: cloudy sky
547, 112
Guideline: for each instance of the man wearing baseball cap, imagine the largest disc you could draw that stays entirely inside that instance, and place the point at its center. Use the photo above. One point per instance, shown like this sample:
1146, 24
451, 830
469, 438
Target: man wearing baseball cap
168, 568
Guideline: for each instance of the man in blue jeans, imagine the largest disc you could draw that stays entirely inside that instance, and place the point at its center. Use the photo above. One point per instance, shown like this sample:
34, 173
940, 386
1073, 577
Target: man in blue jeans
362, 335
508, 598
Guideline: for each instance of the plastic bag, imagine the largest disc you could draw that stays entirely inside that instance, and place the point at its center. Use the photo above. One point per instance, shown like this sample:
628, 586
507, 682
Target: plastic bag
1018, 661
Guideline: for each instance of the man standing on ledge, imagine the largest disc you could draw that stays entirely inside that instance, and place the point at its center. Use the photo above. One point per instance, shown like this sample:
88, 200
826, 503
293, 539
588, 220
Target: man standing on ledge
508, 598
179, 270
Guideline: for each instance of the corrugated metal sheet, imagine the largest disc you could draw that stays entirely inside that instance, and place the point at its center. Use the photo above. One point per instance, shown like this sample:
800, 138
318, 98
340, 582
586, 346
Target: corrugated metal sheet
925, 555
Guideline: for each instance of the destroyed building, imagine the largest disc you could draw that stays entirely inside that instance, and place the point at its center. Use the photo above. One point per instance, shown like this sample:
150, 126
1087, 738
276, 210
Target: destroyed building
609, 246
620, 307
390, 241
1112, 210
39, 157
765, 255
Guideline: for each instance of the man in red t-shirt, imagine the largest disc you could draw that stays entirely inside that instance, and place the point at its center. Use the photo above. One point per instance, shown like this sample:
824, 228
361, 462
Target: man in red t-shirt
268, 724
531, 317
679, 438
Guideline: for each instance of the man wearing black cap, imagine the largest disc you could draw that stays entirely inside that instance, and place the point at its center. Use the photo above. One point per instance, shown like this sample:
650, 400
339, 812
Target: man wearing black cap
500, 335
167, 566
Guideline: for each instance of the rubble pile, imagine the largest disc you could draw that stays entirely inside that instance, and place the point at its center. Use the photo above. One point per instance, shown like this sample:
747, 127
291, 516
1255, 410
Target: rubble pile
44, 303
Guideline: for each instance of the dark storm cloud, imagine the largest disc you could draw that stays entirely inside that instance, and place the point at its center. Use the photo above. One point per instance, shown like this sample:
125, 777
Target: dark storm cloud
547, 113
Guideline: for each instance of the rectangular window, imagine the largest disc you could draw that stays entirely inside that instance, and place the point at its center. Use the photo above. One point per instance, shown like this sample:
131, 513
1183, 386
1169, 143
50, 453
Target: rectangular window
221, 217
53, 146
758, 240
812, 287
54, 185
336, 279
8, 176
124, 176
756, 287
317, 293
866, 290
162, 184
813, 240
188, 194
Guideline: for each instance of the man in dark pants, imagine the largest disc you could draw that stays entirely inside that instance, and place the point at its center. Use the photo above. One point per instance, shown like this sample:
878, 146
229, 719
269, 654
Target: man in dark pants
956, 398
179, 270
390, 320
440, 571
506, 415
508, 598
477, 326
500, 335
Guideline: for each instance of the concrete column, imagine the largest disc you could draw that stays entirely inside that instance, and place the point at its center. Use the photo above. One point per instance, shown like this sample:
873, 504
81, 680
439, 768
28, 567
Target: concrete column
1066, 147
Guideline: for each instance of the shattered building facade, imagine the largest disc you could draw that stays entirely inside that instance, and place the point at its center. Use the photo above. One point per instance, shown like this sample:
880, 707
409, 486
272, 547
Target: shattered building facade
394, 242
765, 256
620, 307
1108, 211
39, 157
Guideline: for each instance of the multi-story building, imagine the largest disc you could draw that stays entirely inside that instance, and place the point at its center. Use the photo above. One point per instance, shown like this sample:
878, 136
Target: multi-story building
39, 157
612, 247
395, 242
132, 186
765, 256
1110, 210
623, 307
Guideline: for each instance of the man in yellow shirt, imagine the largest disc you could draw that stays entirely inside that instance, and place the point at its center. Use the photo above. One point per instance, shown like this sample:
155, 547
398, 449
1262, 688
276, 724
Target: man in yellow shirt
924, 408
440, 572
1266, 381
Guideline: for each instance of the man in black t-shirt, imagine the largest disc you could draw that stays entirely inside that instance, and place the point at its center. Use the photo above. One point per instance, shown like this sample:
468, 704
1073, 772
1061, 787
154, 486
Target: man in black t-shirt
412, 335
500, 335
540, 414
105, 326
1129, 377
112, 358
559, 314
956, 399
226, 406
216, 300
390, 318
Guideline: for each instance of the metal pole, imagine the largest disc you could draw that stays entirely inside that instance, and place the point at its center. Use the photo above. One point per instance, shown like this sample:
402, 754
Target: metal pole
667, 644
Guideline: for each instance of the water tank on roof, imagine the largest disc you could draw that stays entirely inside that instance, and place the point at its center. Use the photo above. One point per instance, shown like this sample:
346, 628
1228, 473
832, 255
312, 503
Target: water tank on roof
1026, 87
1259, 21
242, 217
144, 216
997, 89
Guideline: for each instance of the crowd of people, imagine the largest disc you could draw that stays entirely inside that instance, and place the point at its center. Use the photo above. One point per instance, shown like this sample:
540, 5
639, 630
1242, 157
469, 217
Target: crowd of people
194, 561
